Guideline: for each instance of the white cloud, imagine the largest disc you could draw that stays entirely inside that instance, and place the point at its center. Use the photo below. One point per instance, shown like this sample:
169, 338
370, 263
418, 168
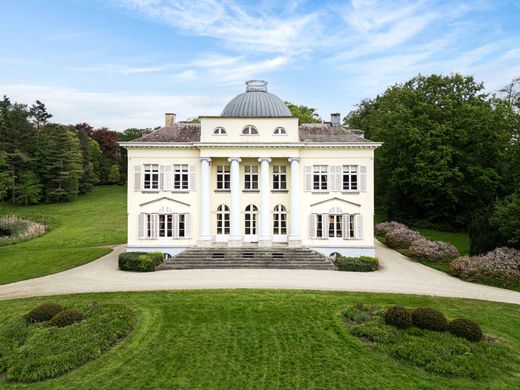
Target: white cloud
123, 69
115, 110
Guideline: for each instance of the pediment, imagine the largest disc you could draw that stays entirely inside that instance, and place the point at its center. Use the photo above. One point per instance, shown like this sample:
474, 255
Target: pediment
162, 199
335, 199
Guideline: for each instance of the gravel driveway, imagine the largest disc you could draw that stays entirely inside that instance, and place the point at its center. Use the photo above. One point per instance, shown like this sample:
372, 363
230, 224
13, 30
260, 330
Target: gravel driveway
397, 275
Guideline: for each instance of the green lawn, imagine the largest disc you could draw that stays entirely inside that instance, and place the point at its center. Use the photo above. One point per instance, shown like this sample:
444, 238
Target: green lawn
263, 340
82, 227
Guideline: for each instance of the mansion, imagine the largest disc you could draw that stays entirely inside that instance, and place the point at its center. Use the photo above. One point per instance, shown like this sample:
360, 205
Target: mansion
252, 176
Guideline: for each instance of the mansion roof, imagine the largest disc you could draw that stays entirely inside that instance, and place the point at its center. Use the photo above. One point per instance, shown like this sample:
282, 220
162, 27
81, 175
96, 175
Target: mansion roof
315, 133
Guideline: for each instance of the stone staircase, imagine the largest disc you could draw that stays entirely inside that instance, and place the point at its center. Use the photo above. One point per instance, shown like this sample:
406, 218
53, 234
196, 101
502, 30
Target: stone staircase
249, 257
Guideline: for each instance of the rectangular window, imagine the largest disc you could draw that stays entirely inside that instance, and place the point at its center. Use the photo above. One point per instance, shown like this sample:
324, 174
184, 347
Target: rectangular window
180, 177
319, 226
223, 177
335, 226
182, 225
279, 177
319, 177
149, 225
351, 230
223, 223
251, 177
350, 178
165, 225
151, 177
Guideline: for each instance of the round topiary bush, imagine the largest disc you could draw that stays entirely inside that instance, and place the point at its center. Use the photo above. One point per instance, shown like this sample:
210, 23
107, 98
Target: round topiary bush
66, 317
428, 318
44, 312
398, 316
468, 329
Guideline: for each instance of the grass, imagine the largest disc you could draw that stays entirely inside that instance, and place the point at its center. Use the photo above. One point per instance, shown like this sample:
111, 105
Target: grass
79, 231
263, 339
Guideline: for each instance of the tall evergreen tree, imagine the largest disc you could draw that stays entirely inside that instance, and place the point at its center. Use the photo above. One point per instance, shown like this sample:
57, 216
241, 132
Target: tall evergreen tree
88, 178
39, 114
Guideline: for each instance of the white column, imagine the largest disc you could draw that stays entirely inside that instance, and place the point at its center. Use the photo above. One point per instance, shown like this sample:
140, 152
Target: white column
265, 237
295, 239
235, 238
205, 204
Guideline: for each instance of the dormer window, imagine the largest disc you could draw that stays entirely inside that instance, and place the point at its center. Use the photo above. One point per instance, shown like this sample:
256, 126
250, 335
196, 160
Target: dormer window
249, 130
279, 131
219, 131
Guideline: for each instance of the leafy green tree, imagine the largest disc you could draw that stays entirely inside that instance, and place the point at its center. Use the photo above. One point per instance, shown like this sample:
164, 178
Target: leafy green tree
29, 189
114, 176
88, 178
304, 114
39, 114
506, 219
444, 141
4, 174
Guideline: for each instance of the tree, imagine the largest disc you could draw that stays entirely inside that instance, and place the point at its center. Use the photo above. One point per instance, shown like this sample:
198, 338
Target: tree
29, 189
4, 175
511, 93
125, 136
88, 177
39, 114
114, 177
444, 143
506, 219
107, 140
304, 114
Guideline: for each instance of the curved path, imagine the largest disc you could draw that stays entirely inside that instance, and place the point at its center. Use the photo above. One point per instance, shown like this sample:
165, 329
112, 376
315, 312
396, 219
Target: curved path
397, 275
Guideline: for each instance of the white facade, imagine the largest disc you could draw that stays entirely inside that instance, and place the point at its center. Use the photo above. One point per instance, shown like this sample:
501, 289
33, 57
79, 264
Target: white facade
266, 189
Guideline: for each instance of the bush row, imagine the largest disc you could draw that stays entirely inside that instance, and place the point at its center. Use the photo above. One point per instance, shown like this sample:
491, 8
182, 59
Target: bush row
55, 314
140, 261
357, 264
499, 265
432, 319
399, 236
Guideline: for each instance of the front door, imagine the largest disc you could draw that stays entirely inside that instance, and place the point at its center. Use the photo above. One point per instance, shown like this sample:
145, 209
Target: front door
251, 224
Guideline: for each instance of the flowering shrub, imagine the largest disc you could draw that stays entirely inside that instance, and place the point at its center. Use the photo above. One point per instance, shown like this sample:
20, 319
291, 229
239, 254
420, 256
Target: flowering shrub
501, 264
14, 229
433, 250
401, 238
384, 227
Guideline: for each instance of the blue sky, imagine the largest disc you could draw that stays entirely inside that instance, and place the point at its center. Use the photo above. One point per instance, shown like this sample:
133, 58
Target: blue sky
123, 63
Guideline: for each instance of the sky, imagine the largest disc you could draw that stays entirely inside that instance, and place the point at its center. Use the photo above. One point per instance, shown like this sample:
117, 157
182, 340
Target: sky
124, 63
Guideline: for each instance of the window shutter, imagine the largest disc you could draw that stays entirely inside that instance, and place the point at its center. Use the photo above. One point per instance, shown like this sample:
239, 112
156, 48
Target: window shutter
175, 222
141, 223
308, 178
137, 178
312, 226
339, 176
359, 226
155, 225
187, 225
161, 177
363, 178
192, 185
325, 225
346, 225
331, 178
168, 179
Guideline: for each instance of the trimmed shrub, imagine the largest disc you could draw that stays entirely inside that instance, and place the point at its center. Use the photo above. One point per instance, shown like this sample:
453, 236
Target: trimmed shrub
398, 316
384, 227
500, 265
428, 318
357, 264
44, 312
66, 317
468, 329
140, 261
401, 238
433, 250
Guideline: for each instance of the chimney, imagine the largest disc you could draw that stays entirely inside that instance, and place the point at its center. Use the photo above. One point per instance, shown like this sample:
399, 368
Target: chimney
335, 119
169, 119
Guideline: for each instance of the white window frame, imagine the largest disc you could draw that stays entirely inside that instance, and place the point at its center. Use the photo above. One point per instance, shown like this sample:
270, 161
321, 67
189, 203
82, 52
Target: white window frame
320, 175
151, 177
279, 177
223, 220
224, 177
350, 178
249, 130
251, 220
279, 131
181, 177
165, 229
279, 220
219, 131
251, 177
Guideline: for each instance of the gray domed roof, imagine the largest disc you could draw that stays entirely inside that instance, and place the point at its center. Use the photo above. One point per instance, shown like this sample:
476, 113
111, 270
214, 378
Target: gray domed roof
256, 102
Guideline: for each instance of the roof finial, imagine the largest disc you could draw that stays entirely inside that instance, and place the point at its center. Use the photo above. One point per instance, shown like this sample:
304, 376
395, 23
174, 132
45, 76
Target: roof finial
256, 86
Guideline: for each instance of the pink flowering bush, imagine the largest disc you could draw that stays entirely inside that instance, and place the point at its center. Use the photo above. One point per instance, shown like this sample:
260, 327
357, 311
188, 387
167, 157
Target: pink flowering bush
384, 227
401, 238
500, 265
433, 250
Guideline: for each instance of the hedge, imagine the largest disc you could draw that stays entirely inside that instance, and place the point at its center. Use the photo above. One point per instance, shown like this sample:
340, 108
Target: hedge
140, 261
357, 264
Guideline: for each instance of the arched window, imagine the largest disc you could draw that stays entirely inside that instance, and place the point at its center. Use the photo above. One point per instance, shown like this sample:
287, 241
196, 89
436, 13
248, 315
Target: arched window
249, 130
279, 131
335, 222
219, 131
251, 216
223, 219
279, 220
